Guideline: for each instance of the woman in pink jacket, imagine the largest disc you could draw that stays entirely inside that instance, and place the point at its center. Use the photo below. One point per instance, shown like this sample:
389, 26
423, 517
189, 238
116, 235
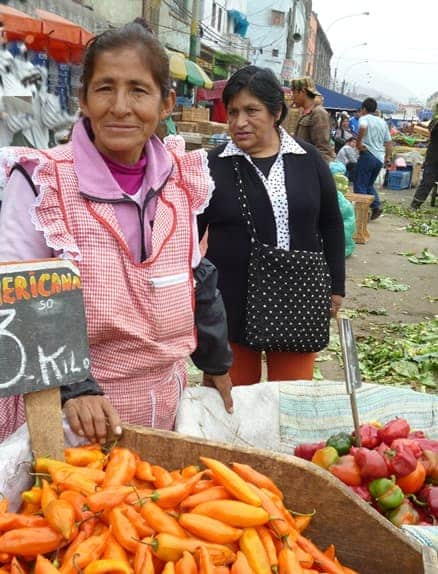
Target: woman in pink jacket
123, 206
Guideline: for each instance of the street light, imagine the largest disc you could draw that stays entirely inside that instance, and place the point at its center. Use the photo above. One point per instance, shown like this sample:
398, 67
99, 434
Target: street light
348, 69
340, 58
344, 17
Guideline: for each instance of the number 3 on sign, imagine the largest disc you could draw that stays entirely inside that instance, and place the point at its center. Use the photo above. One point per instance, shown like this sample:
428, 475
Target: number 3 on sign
6, 317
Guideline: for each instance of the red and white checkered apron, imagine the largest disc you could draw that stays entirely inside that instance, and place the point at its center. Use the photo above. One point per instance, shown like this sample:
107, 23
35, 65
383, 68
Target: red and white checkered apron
140, 316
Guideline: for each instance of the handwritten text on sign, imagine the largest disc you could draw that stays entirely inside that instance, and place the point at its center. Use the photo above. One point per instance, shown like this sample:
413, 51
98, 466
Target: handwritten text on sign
43, 337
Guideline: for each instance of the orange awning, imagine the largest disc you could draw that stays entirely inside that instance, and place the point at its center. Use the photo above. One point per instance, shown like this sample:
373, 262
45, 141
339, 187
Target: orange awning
17, 23
59, 28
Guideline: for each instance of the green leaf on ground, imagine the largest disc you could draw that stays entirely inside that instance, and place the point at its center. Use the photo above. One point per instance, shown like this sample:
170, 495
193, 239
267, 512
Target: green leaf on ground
382, 282
426, 257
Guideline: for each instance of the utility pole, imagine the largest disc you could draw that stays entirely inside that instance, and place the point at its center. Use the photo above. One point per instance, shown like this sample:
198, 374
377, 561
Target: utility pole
291, 36
194, 31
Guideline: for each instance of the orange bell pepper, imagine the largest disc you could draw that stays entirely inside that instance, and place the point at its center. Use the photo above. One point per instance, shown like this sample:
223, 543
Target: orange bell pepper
162, 476
288, 562
249, 474
138, 522
143, 561
108, 498
60, 515
251, 545
171, 496
238, 487
241, 565
110, 566
12, 520
168, 548
161, 521
186, 564
212, 493
30, 541
44, 566
123, 530
206, 565
121, 467
268, 543
413, 481
143, 471
33, 495
233, 512
113, 550
80, 456
85, 551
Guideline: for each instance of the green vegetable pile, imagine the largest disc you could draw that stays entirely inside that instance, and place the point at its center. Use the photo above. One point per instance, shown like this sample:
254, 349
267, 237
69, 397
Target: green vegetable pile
401, 354
423, 221
382, 282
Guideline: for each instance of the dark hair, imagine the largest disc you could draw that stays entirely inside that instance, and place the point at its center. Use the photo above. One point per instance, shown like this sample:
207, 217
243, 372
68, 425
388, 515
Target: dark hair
261, 83
136, 34
370, 105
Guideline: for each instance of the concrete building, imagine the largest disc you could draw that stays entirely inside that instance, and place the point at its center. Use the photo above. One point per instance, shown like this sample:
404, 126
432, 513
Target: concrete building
279, 36
323, 54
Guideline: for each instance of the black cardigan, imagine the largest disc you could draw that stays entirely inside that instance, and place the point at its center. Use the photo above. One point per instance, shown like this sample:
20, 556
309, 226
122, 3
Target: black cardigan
315, 223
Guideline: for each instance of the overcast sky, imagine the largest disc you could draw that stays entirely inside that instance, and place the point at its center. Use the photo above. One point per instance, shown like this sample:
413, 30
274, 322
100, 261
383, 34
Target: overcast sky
402, 44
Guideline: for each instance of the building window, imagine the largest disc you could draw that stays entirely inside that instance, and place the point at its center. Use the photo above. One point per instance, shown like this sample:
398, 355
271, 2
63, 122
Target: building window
213, 15
275, 52
219, 19
277, 18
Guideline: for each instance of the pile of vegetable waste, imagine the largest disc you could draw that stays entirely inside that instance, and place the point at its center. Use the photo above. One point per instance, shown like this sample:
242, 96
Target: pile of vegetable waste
113, 512
395, 470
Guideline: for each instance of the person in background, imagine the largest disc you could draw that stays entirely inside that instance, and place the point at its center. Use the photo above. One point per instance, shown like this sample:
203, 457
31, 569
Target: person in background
430, 166
342, 134
123, 206
353, 123
374, 144
348, 155
314, 122
293, 203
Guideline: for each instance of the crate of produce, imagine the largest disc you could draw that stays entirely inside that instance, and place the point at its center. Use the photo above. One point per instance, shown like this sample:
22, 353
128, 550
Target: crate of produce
195, 114
399, 179
210, 128
364, 540
186, 127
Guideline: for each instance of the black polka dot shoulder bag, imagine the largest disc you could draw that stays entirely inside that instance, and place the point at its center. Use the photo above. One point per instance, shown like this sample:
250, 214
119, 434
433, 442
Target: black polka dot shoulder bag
288, 299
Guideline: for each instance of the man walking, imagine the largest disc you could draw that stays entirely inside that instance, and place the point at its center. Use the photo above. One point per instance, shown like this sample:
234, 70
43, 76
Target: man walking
430, 166
314, 122
375, 149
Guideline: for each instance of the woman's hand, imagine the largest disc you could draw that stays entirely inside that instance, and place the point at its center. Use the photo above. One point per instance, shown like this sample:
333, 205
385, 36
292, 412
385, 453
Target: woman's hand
92, 416
224, 385
336, 305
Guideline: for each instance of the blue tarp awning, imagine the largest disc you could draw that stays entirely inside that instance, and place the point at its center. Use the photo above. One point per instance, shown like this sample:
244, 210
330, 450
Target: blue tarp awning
336, 101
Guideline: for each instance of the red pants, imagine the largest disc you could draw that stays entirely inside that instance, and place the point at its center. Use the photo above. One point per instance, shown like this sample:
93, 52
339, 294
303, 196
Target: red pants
247, 366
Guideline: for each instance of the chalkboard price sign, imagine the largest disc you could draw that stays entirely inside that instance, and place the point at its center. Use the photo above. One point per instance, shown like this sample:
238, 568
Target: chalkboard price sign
43, 335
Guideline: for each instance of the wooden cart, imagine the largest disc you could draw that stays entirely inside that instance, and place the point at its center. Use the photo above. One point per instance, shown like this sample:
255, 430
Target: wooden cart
364, 540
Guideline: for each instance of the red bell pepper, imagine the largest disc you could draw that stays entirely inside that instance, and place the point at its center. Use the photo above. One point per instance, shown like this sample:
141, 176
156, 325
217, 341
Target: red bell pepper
307, 450
369, 436
430, 495
371, 463
346, 469
430, 463
412, 444
400, 460
396, 428
428, 444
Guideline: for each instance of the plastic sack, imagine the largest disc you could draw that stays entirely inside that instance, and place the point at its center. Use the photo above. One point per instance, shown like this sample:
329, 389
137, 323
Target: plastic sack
349, 218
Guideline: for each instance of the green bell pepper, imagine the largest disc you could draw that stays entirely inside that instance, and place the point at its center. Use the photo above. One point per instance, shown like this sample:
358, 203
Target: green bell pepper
404, 514
341, 441
387, 494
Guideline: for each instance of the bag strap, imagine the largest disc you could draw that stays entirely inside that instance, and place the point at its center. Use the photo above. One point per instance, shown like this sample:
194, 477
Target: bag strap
243, 200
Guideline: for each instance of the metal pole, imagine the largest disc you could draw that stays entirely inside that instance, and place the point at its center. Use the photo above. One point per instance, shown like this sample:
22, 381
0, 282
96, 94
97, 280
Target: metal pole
194, 31
290, 32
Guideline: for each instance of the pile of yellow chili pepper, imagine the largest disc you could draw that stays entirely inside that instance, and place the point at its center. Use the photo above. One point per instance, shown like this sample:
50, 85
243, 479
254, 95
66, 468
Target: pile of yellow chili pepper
113, 512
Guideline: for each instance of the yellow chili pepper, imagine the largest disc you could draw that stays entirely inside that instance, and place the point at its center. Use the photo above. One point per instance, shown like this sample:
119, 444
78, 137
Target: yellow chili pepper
103, 566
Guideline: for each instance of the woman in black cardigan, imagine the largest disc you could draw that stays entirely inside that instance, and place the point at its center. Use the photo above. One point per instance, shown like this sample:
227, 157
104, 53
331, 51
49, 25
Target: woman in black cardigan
292, 199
